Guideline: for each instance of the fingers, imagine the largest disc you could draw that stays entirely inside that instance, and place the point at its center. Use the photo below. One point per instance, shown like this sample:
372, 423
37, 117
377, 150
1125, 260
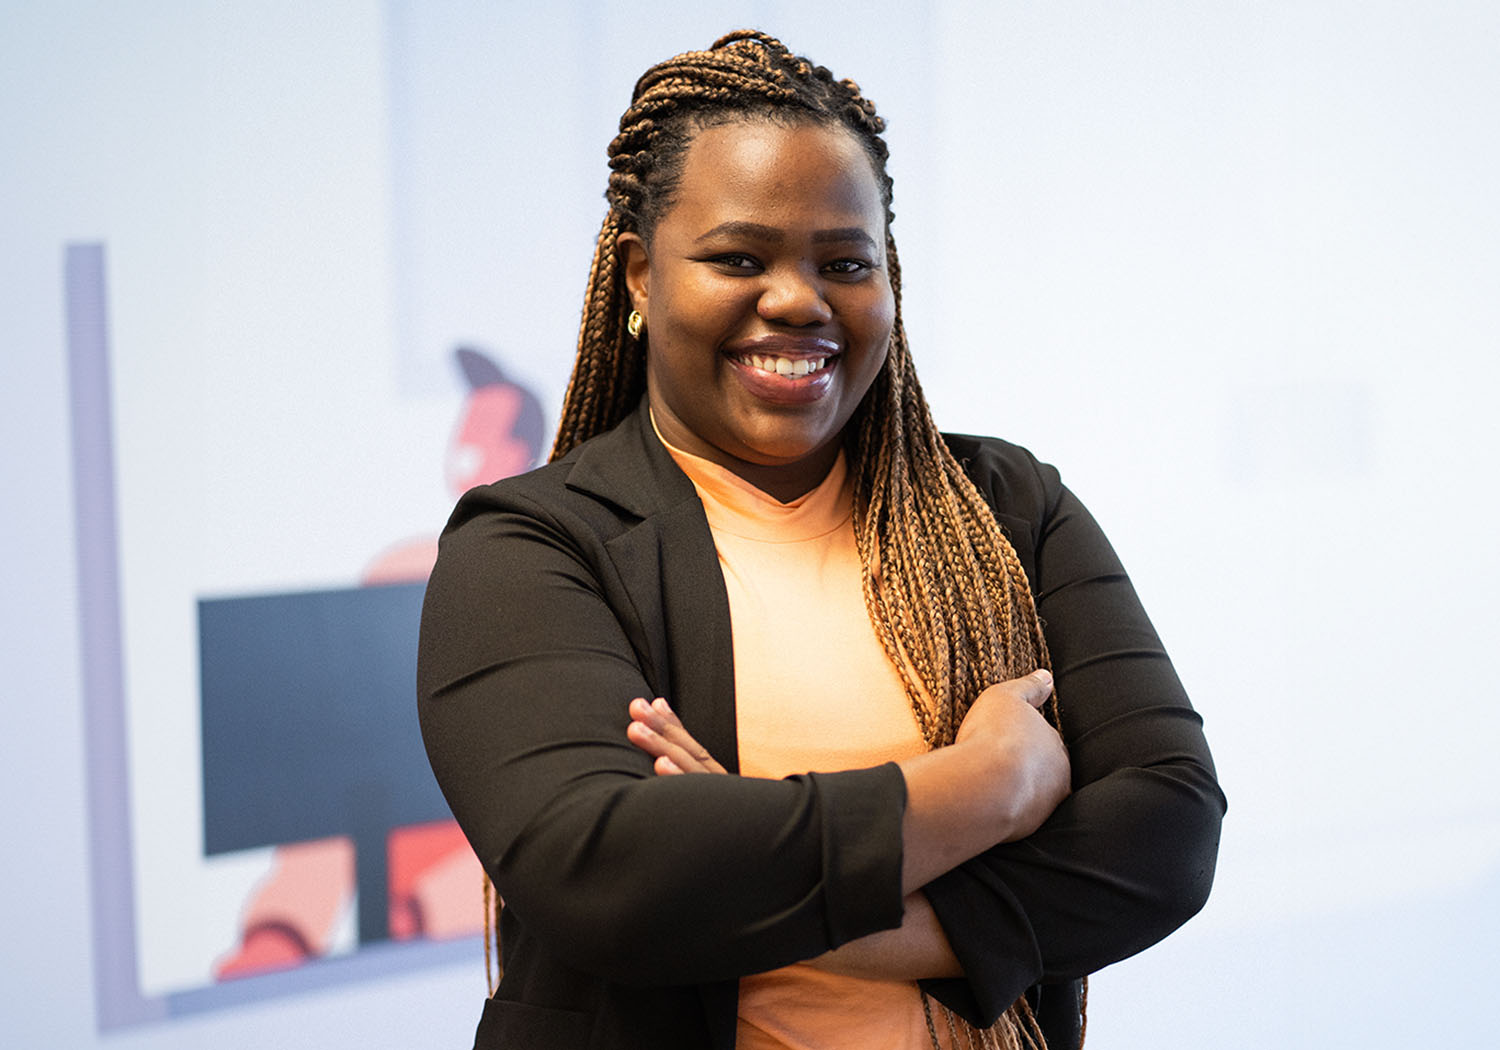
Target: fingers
1033, 688
656, 730
1036, 687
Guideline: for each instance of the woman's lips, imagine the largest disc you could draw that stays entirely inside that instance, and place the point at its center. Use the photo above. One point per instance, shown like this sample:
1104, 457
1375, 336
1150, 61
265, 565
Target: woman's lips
785, 369
786, 372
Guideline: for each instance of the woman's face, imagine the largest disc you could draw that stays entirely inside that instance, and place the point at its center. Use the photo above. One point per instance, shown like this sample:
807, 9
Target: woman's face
768, 306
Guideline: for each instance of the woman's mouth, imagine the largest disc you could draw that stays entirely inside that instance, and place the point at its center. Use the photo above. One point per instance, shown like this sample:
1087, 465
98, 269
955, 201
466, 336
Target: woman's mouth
787, 375
795, 367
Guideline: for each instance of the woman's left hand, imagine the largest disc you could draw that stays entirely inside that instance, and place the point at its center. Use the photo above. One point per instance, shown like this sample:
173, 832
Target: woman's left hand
656, 730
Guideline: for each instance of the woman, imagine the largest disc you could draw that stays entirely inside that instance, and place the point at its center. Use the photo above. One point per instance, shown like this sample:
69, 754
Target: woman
754, 554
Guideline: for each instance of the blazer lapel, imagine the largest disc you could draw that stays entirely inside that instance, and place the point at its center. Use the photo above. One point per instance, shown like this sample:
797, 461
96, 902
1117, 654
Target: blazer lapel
669, 568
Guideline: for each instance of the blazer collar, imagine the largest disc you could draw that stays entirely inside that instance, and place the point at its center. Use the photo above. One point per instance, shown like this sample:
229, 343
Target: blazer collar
629, 467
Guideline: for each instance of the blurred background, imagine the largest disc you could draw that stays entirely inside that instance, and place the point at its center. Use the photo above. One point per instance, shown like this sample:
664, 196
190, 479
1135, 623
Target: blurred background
1232, 267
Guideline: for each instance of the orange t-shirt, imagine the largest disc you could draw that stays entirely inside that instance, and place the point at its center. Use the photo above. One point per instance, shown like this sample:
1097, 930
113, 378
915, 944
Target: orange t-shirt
814, 692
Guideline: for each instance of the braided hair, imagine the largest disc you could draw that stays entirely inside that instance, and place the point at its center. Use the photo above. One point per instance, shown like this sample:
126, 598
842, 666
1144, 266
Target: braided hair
946, 593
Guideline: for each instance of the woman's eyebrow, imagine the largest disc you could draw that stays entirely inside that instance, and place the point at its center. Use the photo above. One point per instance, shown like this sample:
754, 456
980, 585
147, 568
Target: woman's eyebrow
743, 229
844, 235
772, 234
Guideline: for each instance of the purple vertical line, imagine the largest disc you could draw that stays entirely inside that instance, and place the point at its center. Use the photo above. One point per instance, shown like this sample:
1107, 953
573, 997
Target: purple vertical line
118, 1000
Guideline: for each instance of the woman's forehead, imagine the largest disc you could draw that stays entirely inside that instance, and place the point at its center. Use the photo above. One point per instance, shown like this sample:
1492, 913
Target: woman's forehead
738, 171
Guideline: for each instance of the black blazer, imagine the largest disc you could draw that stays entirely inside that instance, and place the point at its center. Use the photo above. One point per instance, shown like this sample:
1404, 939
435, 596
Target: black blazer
634, 902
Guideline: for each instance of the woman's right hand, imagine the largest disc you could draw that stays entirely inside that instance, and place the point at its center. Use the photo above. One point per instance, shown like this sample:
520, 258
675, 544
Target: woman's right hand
1004, 774
656, 729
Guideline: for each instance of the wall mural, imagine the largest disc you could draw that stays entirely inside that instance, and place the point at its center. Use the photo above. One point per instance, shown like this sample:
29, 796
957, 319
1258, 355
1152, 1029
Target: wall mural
310, 749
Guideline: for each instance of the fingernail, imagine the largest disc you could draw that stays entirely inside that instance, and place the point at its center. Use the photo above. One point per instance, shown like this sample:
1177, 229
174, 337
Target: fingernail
1041, 674
661, 705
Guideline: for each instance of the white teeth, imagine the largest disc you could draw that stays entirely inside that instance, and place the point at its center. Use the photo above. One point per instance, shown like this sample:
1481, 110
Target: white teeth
785, 366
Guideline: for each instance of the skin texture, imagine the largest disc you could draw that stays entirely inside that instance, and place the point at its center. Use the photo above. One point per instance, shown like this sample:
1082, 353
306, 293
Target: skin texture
774, 245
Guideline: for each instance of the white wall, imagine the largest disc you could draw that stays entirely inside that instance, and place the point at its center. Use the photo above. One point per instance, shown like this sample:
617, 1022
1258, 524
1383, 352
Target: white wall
1232, 267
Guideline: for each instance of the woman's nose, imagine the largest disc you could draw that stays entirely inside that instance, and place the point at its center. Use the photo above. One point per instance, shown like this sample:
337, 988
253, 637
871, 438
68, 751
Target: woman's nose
794, 297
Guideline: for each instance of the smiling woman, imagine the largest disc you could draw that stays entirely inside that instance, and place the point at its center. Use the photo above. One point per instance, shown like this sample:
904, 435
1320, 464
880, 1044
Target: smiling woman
854, 813
766, 302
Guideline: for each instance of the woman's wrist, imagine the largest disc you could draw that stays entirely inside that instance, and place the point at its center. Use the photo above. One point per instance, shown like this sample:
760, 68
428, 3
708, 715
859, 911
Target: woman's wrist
958, 804
916, 950
1001, 778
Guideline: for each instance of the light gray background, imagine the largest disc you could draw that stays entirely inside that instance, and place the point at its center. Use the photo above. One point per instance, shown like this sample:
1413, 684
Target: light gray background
1231, 266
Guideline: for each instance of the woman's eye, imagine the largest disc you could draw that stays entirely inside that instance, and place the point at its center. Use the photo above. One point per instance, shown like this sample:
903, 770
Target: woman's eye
735, 261
847, 267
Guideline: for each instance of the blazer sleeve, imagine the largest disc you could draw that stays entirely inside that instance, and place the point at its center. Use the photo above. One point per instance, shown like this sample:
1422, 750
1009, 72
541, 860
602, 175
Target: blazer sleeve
1129, 855
525, 672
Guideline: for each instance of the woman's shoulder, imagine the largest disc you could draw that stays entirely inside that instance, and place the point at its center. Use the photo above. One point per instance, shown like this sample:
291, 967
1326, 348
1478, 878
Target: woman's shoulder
1009, 476
536, 491
603, 486
525, 520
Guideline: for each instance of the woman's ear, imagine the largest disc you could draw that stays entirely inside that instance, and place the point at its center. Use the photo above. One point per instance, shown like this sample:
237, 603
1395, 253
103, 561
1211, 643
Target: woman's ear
637, 260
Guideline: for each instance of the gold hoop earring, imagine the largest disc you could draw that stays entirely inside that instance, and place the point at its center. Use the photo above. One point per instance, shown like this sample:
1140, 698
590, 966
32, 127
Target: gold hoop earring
634, 323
